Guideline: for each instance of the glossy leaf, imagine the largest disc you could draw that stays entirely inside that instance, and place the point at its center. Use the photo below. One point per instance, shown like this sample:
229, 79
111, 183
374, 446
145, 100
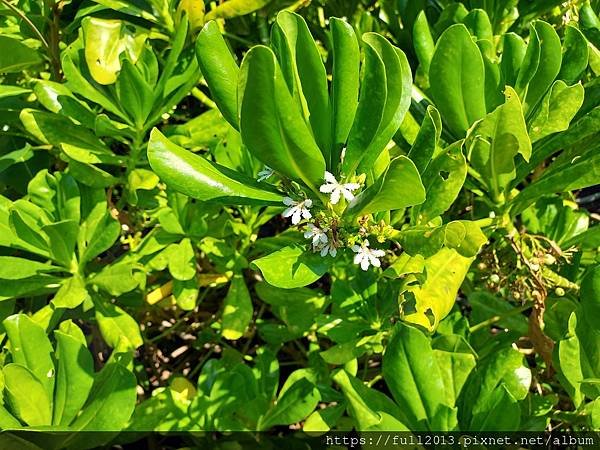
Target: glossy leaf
115, 324
75, 373
380, 110
494, 143
220, 70
294, 405
457, 78
31, 349
434, 299
411, 372
271, 124
16, 56
305, 74
557, 110
13, 268
401, 176
111, 402
27, 395
344, 85
443, 180
237, 309
292, 267
202, 179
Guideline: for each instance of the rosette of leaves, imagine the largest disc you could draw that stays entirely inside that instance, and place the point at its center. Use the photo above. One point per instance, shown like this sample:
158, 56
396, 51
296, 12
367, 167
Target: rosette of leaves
117, 87
516, 108
298, 124
53, 386
55, 235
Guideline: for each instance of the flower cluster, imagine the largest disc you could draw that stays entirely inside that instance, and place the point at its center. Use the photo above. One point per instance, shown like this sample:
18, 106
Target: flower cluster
322, 231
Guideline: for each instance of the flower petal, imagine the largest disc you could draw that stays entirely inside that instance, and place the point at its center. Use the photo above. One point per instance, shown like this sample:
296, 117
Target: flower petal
327, 188
297, 216
330, 178
307, 203
348, 195
335, 196
358, 258
364, 265
288, 201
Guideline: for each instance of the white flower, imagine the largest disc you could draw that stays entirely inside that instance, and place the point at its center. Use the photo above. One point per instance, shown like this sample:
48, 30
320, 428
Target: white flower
338, 189
265, 173
297, 210
318, 236
329, 248
366, 256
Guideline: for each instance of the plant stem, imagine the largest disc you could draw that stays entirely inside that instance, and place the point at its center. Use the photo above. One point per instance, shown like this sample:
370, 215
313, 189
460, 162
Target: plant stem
25, 19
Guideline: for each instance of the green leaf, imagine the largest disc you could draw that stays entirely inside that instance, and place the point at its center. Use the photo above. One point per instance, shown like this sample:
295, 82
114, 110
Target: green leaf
237, 309
443, 180
557, 110
345, 83
12, 91
292, 267
424, 45
202, 179
98, 235
541, 65
494, 142
63, 237
456, 360
381, 110
182, 260
15, 157
513, 53
30, 347
575, 55
58, 130
305, 74
435, 298
271, 124
236, 8
401, 176
186, 293
27, 395
365, 405
16, 56
456, 76
115, 324
561, 176
116, 279
294, 405
427, 139
104, 41
13, 268
499, 381
411, 372
75, 373
134, 93
71, 293
111, 402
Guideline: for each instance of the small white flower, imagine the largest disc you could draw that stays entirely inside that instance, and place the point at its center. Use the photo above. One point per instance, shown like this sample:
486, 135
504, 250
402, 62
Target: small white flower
5, 128
265, 173
317, 235
329, 248
297, 210
336, 189
366, 256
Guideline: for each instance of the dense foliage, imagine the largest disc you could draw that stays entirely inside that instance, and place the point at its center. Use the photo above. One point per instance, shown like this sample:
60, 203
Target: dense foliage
277, 215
